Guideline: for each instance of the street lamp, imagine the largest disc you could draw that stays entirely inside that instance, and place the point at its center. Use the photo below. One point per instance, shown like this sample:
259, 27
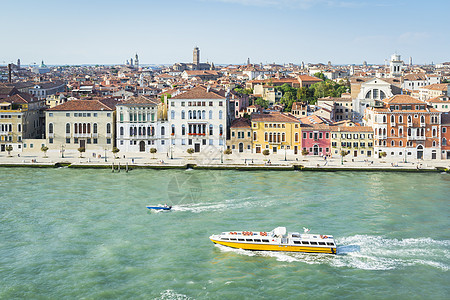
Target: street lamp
62, 151
285, 153
405, 156
105, 156
171, 147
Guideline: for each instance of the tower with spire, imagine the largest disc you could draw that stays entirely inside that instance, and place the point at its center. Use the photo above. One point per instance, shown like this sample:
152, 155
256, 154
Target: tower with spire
136, 61
196, 55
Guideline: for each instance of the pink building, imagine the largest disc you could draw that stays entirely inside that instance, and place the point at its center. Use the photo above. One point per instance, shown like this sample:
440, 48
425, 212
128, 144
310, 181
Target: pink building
316, 139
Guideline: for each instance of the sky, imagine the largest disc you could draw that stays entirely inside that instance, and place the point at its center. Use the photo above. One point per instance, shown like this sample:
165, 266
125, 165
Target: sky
226, 31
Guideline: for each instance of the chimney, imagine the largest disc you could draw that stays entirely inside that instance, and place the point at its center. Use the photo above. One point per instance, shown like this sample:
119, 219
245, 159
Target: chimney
9, 73
208, 88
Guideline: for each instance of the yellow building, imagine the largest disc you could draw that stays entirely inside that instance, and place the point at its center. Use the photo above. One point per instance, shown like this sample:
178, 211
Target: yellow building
21, 118
240, 139
276, 131
356, 140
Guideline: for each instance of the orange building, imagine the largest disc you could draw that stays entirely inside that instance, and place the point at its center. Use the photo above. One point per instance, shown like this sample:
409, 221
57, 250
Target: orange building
405, 127
445, 135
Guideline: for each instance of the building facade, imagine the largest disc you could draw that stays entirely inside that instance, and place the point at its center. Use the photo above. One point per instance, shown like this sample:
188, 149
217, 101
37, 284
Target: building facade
240, 139
80, 123
356, 141
405, 127
141, 125
316, 139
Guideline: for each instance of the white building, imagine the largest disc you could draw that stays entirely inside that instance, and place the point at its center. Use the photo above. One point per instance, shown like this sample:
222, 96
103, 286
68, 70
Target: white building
198, 120
396, 65
141, 125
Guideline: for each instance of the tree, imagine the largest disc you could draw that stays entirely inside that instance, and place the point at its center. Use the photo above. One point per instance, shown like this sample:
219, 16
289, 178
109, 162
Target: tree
81, 150
8, 149
305, 152
153, 151
383, 154
320, 75
228, 151
115, 150
44, 149
343, 154
266, 152
261, 102
190, 151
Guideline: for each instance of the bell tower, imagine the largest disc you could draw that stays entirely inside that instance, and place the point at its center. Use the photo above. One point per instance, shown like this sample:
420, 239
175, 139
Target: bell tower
196, 60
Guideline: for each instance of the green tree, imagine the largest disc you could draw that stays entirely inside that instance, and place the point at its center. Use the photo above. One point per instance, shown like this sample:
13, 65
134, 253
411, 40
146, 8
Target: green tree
320, 75
261, 102
115, 150
81, 150
383, 154
153, 151
228, 151
266, 152
8, 149
44, 149
305, 152
190, 151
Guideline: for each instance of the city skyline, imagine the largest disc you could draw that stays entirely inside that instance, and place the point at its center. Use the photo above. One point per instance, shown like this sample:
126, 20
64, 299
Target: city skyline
227, 31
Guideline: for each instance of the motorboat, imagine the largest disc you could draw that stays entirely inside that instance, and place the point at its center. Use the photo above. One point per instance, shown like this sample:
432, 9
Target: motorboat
160, 207
277, 240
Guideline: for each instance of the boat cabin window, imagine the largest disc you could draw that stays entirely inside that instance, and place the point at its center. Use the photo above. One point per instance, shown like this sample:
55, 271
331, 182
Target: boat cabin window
315, 237
321, 243
296, 242
257, 240
265, 241
226, 239
241, 240
305, 243
232, 239
296, 235
330, 244
313, 243
248, 240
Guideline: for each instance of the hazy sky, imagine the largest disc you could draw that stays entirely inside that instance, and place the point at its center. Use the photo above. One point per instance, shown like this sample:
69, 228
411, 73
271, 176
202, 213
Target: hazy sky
227, 31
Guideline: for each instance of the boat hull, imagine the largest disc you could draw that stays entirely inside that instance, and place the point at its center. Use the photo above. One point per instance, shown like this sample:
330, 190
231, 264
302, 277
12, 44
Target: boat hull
275, 247
159, 208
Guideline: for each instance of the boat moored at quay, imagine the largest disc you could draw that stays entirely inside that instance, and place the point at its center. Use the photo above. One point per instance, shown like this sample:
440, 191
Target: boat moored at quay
277, 240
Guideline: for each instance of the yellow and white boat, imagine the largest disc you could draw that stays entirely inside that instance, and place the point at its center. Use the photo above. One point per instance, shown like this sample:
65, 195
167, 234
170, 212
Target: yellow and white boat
277, 240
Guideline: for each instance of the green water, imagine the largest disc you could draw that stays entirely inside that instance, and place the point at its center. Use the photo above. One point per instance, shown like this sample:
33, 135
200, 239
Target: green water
87, 234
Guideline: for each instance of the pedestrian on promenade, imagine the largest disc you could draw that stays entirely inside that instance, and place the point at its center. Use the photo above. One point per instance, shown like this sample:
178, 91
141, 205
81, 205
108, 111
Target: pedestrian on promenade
132, 160
252, 160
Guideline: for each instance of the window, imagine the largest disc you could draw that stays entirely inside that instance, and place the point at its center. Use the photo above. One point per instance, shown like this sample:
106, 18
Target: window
173, 129
67, 140
50, 128
327, 135
108, 128
183, 130
172, 114
108, 141
220, 114
67, 114
163, 131
183, 114
67, 127
220, 130
121, 130
211, 129
210, 114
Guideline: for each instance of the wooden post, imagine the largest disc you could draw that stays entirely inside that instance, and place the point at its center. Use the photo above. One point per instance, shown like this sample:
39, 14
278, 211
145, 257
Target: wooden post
112, 167
127, 168
118, 168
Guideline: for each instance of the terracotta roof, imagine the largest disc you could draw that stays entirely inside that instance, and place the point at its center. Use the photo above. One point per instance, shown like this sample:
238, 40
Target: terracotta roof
402, 99
314, 119
437, 87
199, 92
308, 78
273, 117
241, 123
418, 76
83, 105
307, 127
139, 100
352, 128
439, 99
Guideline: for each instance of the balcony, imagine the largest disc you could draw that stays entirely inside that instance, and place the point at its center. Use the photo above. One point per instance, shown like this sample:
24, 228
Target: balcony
409, 124
416, 138
81, 135
422, 124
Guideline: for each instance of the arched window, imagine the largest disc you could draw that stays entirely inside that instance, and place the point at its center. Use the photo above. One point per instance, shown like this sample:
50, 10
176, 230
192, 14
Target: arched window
131, 131
140, 130
173, 129
392, 119
384, 118
400, 119
172, 114
400, 143
210, 114
392, 132
95, 128
194, 114
163, 131
220, 114
108, 128
409, 119
199, 114
369, 95
121, 130
204, 114
422, 119
392, 143
434, 143
384, 131
434, 132
85, 128
190, 114
183, 115
89, 128
220, 130
50, 128
75, 128
444, 142
183, 129
296, 137
382, 95
149, 131
210, 130
380, 131
400, 131
67, 127
409, 131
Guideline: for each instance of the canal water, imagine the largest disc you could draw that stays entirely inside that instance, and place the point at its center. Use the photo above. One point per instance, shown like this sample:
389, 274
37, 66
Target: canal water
86, 234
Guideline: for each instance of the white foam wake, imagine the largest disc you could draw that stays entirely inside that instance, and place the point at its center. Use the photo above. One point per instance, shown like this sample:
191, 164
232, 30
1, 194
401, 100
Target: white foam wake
369, 253
172, 295
226, 205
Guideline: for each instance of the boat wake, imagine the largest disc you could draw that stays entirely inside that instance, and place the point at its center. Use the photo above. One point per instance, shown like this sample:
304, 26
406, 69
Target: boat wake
369, 253
238, 203
172, 295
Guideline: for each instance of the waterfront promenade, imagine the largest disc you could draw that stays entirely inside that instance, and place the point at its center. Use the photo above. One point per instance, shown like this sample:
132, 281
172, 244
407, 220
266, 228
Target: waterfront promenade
217, 160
